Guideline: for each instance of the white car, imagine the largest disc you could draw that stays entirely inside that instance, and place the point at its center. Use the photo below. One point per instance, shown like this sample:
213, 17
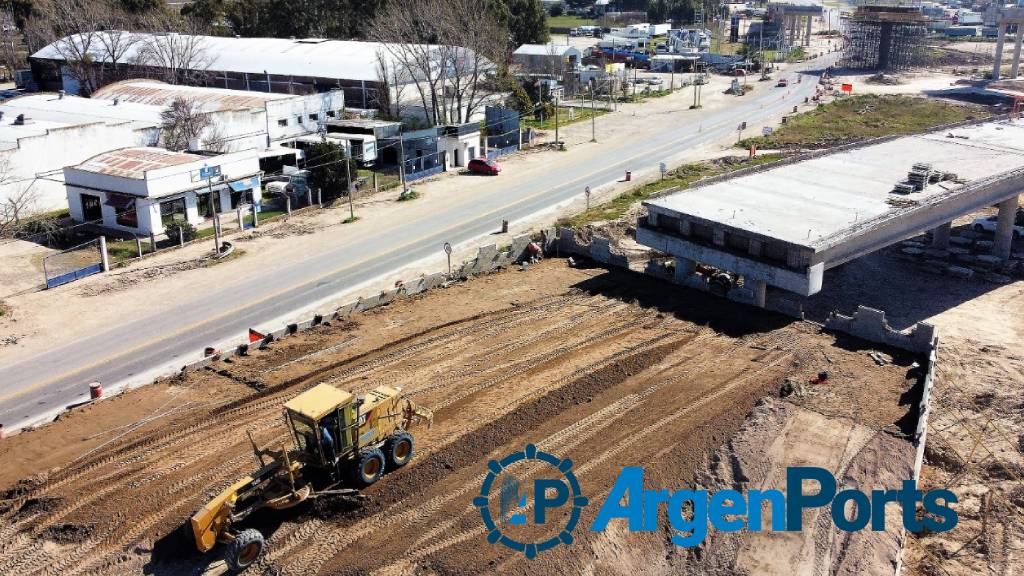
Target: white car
988, 224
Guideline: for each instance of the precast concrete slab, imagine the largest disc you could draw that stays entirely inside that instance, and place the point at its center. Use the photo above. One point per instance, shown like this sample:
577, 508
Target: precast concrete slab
787, 223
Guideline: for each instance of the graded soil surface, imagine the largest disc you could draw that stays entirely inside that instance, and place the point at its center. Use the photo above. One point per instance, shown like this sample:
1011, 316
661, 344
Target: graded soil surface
607, 368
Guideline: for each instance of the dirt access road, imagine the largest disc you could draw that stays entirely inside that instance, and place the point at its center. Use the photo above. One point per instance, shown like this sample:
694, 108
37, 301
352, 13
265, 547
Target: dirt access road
608, 368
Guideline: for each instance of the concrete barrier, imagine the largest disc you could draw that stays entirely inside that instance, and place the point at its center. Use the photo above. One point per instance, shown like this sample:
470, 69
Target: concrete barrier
488, 259
870, 324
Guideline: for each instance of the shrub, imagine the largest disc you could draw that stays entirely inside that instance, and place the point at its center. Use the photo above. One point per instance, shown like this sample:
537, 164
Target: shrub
178, 229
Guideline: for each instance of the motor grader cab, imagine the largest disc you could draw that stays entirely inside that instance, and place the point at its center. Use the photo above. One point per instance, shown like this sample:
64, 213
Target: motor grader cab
339, 440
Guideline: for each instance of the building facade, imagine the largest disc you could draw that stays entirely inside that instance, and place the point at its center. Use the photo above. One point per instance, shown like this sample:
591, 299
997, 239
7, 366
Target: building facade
146, 191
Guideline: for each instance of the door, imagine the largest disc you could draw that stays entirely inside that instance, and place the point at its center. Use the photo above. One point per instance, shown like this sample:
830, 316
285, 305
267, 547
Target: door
91, 209
458, 157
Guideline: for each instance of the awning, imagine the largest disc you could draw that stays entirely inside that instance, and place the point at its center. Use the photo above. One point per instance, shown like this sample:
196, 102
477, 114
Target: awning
246, 184
120, 202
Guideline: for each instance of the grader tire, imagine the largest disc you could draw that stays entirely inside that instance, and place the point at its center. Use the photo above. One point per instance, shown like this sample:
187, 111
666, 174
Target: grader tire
370, 467
399, 450
244, 550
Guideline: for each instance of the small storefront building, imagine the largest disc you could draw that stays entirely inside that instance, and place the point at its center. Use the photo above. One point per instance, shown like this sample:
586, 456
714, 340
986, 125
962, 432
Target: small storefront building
145, 191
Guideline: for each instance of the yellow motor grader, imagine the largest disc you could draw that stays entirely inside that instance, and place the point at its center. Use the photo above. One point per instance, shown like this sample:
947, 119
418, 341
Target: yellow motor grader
342, 443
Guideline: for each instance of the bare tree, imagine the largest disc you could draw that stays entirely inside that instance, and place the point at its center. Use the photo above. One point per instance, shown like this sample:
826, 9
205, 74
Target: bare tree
17, 202
471, 41
406, 36
176, 57
182, 122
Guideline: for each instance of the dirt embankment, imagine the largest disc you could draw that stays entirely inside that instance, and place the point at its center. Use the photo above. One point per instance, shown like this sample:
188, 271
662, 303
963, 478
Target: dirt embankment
607, 368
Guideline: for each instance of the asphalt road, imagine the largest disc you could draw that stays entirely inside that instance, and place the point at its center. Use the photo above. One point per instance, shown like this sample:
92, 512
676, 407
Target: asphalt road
176, 336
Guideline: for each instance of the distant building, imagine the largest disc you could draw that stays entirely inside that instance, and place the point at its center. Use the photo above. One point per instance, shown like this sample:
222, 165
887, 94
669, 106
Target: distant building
254, 119
148, 190
275, 65
557, 61
40, 134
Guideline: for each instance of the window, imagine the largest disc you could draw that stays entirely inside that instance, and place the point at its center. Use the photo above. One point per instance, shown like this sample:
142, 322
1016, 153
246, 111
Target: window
330, 114
313, 118
128, 217
298, 119
172, 212
282, 122
91, 209
206, 203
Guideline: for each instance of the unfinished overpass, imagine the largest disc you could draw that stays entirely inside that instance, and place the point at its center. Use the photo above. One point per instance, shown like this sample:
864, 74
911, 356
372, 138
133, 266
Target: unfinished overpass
785, 224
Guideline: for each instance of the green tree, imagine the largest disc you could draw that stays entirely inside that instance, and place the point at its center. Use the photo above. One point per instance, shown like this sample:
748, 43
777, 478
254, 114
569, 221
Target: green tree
326, 164
527, 22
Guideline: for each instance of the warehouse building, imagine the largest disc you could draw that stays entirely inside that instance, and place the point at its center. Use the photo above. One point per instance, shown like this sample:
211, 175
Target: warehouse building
254, 119
275, 65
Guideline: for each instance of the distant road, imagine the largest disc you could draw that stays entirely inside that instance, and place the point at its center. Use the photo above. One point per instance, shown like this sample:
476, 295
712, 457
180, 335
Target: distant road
44, 382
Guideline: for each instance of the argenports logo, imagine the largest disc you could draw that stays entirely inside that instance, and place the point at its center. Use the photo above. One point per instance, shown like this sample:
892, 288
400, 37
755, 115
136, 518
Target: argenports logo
554, 488
557, 505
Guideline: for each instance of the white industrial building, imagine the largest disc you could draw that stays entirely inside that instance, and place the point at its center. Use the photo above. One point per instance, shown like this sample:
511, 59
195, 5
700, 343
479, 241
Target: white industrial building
276, 65
146, 190
246, 119
40, 134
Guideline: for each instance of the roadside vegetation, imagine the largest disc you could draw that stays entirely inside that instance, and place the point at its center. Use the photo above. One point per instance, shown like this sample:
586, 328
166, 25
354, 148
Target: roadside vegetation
862, 118
564, 118
567, 21
681, 177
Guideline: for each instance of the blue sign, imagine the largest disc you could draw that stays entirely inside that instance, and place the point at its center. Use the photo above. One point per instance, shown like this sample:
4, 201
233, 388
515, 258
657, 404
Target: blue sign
207, 172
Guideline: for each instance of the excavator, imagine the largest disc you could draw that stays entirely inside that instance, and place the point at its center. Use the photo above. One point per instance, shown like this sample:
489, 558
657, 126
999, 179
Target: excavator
342, 443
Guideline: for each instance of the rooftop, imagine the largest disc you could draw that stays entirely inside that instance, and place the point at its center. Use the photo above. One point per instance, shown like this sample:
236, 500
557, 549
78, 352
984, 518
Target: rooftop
159, 93
312, 57
133, 163
45, 111
361, 123
546, 50
816, 202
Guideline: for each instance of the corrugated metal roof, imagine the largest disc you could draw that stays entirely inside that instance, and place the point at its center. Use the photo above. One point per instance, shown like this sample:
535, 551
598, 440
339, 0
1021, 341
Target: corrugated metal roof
314, 57
47, 111
135, 162
209, 99
546, 50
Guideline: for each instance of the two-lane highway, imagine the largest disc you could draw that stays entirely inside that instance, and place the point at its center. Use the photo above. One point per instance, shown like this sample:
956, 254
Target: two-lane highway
174, 337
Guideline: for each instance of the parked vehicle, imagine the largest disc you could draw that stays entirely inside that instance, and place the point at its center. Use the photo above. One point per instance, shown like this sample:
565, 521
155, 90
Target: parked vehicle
988, 224
783, 82
484, 166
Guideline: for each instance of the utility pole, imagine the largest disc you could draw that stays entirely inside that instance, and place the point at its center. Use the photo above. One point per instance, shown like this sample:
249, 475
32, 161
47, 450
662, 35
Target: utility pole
348, 184
557, 141
401, 162
593, 115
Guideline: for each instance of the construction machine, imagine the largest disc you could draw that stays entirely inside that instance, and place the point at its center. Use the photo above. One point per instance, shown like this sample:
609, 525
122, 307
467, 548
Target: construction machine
342, 443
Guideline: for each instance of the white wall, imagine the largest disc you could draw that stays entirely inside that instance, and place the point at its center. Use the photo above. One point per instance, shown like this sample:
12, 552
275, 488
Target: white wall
295, 109
37, 161
462, 145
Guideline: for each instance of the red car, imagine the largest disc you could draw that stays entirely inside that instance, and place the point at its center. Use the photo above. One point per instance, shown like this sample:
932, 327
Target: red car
484, 166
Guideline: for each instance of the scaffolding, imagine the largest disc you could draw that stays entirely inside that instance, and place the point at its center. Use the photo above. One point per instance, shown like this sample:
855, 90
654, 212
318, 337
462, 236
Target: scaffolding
886, 35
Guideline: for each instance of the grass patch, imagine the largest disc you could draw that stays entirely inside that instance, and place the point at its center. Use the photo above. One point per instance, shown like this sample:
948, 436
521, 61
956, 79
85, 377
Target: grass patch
681, 177
861, 118
579, 115
796, 54
409, 195
567, 21
385, 181
4, 310
350, 220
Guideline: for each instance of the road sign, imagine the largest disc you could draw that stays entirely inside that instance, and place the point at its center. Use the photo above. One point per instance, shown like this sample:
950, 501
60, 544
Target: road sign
767, 130
447, 248
663, 167
587, 191
207, 172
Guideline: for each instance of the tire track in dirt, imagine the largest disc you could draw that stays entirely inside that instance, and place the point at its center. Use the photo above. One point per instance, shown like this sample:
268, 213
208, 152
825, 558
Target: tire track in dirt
469, 449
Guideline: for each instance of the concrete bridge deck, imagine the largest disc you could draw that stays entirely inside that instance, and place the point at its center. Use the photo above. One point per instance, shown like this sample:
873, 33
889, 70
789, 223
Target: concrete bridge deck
783, 226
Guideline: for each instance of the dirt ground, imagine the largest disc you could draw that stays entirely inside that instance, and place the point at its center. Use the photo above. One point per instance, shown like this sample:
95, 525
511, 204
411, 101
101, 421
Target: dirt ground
976, 431
605, 367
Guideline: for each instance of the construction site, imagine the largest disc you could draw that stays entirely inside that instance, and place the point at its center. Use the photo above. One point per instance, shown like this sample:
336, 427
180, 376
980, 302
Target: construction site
606, 367
886, 35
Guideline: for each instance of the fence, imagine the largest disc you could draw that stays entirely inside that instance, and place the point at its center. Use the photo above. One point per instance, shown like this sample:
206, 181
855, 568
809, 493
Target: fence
74, 263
